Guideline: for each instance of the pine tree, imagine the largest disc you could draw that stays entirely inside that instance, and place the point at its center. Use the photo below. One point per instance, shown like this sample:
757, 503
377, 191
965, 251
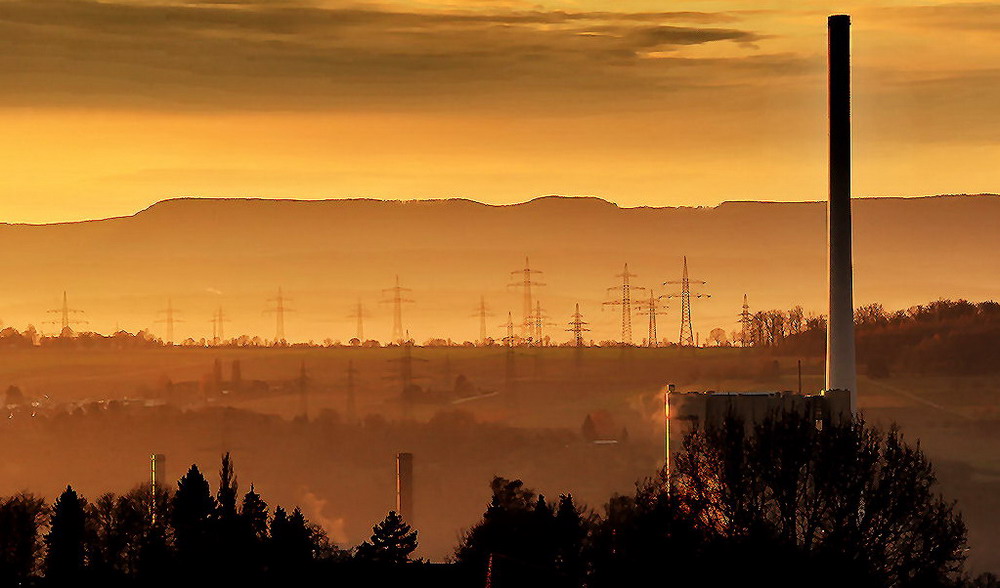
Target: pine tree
253, 513
391, 543
228, 490
192, 515
65, 560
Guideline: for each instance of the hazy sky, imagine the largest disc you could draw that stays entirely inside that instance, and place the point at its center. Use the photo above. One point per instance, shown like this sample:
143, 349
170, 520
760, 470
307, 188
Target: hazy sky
108, 106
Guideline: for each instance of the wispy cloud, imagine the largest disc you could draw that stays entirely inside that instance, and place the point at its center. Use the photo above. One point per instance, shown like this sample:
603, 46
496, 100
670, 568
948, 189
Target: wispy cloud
287, 55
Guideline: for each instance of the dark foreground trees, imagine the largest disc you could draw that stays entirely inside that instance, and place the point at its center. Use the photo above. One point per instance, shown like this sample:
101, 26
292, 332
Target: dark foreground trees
779, 503
859, 499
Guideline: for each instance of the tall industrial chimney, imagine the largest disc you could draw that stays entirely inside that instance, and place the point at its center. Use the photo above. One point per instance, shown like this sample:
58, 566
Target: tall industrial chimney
404, 486
841, 373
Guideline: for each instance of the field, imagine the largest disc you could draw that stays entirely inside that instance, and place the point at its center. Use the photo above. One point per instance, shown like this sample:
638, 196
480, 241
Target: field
517, 414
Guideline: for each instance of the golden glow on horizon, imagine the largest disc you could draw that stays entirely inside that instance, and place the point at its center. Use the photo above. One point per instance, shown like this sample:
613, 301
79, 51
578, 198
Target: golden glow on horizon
690, 122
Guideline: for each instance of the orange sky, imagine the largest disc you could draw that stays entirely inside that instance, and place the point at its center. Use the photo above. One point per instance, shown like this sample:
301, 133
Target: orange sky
109, 106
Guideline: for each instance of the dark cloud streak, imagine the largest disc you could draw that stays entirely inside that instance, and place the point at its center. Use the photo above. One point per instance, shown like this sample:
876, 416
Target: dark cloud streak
273, 55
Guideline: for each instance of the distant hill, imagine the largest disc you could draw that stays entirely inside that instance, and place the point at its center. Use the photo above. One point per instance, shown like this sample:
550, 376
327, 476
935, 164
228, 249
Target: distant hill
327, 254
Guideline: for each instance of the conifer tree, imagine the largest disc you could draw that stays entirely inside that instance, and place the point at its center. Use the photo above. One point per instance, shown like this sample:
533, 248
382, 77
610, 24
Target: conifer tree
64, 562
391, 543
228, 490
192, 514
253, 513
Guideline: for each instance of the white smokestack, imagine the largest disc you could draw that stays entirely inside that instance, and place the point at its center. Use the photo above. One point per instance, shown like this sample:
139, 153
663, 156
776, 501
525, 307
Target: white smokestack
841, 371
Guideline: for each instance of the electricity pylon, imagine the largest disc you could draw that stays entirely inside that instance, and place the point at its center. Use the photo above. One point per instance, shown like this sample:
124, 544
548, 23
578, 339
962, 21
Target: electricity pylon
625, 302
686, 338
169, 319
359, 313
406, 374
279, 311
218, 319
397, 301
652, 307
526, 324
509, 340
578, 326
482, 313
65, 313
746, 323
538, 322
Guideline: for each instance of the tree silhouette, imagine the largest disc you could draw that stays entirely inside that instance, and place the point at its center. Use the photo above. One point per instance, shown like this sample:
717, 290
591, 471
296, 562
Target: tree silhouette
515, 543
20, 540
391, 543
254, 514
65, 559
848, 494
228, 490
570, 535
191, 516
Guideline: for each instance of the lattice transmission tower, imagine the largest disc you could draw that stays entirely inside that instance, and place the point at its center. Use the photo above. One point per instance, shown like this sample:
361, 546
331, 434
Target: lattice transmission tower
509, 340
527, 326
626, 302
538, 323
360, 314
687, 331
218, 321
65, 315
652, 307
397, 299
169, 318
482, 313
578, 327
279, 311
746, 324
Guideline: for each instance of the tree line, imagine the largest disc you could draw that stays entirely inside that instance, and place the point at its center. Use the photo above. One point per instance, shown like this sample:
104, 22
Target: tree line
780, 502
941, 337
